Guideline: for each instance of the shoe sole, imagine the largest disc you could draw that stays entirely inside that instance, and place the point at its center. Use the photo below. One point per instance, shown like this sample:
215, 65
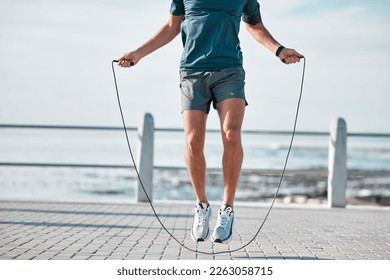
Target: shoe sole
199, 239
219, 241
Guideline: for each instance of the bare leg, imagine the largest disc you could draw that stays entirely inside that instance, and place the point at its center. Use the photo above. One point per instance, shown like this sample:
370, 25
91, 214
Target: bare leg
195, 130
231, 115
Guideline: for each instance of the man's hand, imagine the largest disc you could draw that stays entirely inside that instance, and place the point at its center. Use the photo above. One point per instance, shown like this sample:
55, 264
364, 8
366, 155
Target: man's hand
128, 59
290, 56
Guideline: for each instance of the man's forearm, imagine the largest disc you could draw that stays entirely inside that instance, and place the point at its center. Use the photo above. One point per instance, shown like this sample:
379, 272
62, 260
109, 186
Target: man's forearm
261, 35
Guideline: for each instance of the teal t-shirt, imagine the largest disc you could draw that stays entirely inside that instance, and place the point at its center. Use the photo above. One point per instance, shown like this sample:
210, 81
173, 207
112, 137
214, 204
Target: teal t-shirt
210, 31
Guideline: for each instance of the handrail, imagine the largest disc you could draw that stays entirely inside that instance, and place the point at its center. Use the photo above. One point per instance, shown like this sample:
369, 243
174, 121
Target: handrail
124, 166
70, 127
167, 129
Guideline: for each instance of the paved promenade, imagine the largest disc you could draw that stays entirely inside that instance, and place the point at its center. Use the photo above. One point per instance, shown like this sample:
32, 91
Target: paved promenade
80, 231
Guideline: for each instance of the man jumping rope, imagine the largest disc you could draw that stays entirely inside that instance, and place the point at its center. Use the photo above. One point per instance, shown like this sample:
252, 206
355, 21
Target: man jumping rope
211, 72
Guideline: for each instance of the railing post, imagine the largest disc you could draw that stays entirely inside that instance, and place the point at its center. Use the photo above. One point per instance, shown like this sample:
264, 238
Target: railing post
145, 157
337, 166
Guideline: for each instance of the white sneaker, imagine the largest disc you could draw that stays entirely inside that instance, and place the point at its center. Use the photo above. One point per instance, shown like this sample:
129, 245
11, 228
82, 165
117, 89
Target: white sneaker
224, 228
200, 229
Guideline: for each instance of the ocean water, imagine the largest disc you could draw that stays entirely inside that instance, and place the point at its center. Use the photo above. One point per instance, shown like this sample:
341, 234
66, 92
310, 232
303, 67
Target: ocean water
262, 152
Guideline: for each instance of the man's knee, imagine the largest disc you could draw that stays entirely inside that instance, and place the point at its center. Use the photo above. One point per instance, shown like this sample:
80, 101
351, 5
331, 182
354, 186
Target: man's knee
232, 137
194, 144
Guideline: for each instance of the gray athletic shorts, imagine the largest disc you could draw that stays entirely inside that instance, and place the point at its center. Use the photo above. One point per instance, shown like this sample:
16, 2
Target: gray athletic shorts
201, 88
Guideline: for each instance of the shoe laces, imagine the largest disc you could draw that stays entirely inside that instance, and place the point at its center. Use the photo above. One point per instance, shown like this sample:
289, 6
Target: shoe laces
201, 216
224, 217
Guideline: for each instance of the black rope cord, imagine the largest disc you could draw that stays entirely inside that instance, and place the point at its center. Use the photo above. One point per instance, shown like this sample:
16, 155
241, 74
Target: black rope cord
273, 200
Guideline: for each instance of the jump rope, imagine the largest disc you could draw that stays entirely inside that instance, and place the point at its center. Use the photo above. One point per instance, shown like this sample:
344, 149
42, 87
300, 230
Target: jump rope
150, 201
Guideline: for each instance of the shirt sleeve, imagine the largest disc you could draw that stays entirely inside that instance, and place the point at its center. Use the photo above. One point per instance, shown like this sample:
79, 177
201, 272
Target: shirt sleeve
251, 13
177, 8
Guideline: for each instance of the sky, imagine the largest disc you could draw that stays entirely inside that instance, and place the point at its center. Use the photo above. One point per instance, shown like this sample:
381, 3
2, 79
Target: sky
56, 64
